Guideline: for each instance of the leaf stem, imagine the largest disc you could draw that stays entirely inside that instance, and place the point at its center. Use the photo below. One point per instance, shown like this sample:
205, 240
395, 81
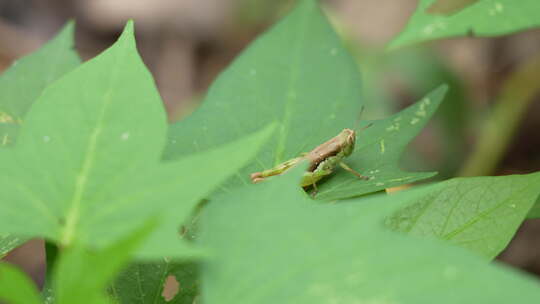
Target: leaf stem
516, 95
51, 256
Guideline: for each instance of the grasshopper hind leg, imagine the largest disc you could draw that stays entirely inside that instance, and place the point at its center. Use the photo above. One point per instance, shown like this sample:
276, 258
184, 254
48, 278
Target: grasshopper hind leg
279, 169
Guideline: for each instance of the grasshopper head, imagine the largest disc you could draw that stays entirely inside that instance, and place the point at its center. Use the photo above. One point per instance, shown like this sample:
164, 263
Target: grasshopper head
348, 139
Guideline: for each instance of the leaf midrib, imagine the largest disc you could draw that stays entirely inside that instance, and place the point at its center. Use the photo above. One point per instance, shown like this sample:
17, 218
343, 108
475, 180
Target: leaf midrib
74, 213
291, 93
483, 215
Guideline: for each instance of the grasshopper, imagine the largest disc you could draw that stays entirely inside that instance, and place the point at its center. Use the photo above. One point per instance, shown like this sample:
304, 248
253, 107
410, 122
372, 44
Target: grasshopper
322, 160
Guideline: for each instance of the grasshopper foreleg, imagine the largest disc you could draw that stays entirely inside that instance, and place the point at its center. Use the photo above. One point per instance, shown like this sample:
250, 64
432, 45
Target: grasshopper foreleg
344, 166
315, 190
311, 179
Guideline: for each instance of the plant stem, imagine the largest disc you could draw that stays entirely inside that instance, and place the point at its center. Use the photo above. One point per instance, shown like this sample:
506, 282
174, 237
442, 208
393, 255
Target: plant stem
516, 95
51, 255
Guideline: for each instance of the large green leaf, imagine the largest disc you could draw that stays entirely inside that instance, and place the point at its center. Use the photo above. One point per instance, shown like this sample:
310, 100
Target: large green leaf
144, 283
378, 151
26, 79
481, 18
16, 287
87, 164
300, 75
21, 85
271, 244
481, 214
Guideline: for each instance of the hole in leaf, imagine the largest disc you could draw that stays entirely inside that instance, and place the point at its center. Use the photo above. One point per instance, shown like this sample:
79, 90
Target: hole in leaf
171, 288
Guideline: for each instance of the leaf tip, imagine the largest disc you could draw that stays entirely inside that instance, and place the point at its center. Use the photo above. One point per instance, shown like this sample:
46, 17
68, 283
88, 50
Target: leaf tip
393, 45
66, 35
129, 31
69, 27
441, 91
443, 88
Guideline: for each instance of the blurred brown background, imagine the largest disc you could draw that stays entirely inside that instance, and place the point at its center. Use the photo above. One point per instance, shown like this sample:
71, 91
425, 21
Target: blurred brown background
186, 43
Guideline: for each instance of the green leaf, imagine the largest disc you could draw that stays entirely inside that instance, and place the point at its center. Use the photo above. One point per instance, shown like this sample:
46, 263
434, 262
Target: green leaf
378, 151
482, 18
271, 244
87, 166
313, 103
82, 275
26, 79
298, 74
9, 242
21, 85
144, 283
16, 287
481, 214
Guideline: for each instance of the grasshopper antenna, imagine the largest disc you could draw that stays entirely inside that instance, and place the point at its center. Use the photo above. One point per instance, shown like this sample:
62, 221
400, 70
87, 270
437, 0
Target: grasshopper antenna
357, 124
365, 127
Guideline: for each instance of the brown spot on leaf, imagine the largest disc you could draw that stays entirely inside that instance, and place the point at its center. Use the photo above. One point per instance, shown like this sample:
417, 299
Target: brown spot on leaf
171, 288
